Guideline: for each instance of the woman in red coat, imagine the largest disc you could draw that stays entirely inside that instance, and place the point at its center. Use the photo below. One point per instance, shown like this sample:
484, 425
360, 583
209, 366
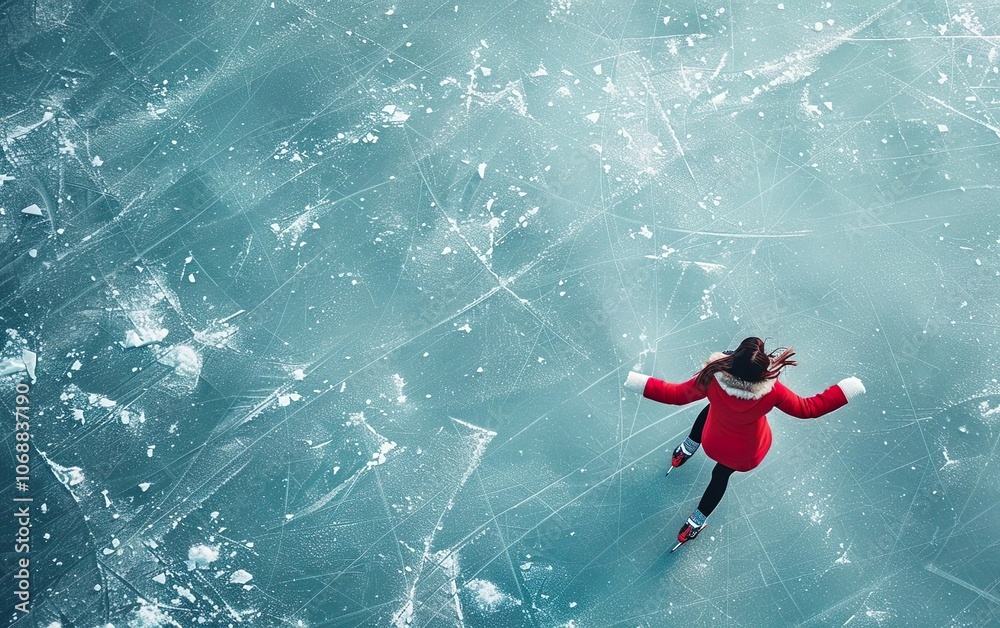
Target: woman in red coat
741, 387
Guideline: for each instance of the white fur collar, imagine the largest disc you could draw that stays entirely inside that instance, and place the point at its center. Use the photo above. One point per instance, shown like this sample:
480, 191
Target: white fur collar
737, 387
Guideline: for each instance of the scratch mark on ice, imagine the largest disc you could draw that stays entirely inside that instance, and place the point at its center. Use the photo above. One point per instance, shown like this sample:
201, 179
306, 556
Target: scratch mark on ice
962, 583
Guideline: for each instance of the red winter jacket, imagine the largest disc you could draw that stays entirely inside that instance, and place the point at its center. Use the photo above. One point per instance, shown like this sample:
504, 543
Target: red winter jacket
736, 431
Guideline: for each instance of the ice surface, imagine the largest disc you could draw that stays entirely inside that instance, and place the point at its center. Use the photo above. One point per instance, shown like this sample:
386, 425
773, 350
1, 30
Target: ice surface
407, 253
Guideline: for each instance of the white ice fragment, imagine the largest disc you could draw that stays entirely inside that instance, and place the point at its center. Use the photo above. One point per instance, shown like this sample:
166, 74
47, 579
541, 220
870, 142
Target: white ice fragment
446, 250
97, 162
143, 337
943, 128
144, 486
100, 400
593, 117
541, 71
781, 6
389, 109
69, 476
9, 366
828, 104
30, 359
201, 556
161, 578
598, 69
32, 252
32, 210
76, 365
240, 576
482, 171
298, 374
191, 277
379, 456
818, 26
5, 178
485, 71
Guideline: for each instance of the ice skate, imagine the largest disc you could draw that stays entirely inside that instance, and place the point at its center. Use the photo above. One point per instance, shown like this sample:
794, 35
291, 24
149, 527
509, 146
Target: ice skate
688, 531
679, 457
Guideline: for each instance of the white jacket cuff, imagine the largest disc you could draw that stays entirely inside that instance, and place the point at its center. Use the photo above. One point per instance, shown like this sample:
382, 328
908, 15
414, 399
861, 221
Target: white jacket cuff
852, 387
636, 381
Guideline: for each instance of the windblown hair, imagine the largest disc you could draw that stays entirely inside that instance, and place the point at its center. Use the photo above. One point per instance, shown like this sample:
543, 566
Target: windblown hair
748, 362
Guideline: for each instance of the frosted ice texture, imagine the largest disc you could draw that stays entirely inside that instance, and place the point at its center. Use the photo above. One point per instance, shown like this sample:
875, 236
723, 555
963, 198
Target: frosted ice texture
332, 303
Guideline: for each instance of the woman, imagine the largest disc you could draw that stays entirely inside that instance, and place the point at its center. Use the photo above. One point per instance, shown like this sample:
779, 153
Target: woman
741, 387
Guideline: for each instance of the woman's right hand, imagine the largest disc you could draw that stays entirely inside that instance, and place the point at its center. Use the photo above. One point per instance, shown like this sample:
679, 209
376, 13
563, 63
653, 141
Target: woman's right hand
852, 387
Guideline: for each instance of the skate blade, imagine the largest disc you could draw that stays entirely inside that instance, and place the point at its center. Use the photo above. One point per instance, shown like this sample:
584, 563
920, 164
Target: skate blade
676, 546
669, 469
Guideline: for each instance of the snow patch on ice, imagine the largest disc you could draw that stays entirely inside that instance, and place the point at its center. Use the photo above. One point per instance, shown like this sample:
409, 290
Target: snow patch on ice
397, 379
487, 596
183, 359
201, 556
149, 615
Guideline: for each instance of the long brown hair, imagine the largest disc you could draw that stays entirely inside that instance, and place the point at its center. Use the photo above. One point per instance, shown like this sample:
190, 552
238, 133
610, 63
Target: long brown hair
748, 362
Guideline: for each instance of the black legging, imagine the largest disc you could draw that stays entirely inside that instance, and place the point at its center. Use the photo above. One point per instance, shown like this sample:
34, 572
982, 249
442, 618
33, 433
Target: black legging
720, 474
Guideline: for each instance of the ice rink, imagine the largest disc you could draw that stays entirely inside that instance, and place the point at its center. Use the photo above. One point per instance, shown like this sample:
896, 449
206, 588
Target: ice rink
329, 304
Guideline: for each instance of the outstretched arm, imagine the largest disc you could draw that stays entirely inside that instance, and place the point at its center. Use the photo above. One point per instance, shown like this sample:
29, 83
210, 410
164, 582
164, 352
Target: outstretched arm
665, 392
827, 401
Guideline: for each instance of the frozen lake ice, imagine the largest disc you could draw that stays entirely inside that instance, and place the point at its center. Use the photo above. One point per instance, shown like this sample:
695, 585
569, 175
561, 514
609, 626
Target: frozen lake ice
327, 308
